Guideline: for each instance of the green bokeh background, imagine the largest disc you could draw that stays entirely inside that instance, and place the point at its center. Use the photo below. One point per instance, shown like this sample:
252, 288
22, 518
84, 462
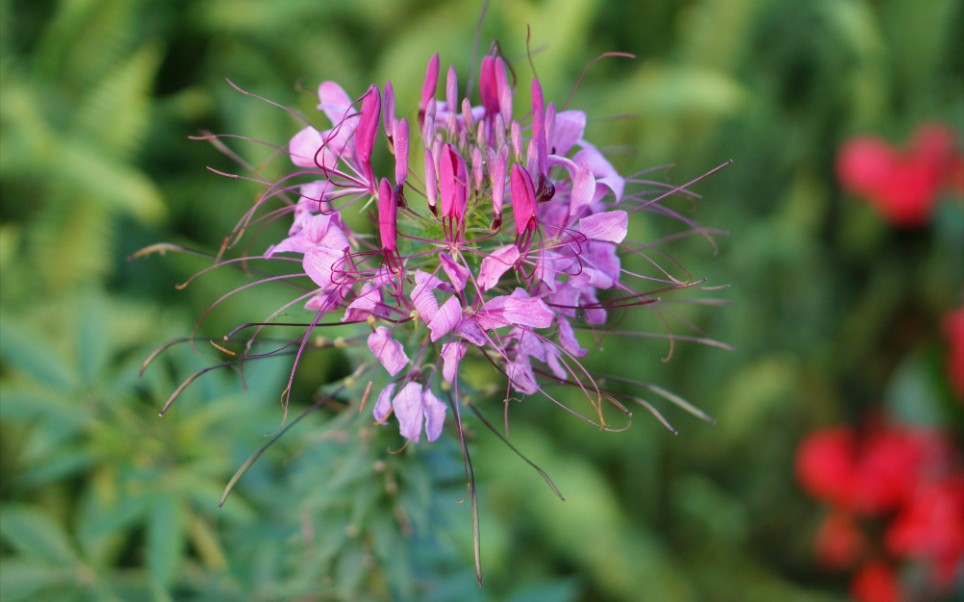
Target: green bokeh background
831, 312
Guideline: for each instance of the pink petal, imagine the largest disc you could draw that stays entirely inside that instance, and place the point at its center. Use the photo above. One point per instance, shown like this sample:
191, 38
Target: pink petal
387, 350
384, 404
428, 87
453, 179
387, 211
367, 130
447, 318
610, 226
458, 274
498, 164
434, 410
304, 147
523, 199
539, 127
604, 172
521, 376
400, 144
452, 354
321, 264
567, 338
530, 312
431, 182
408, 409
864, 164
495, 265
488, 88
505, 91
422, 296
567, 131
583, 191
335, 102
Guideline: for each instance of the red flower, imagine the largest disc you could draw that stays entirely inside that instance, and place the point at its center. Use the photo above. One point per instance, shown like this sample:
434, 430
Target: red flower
839, 542
902, 186
875, 582
931, 528
890, 464
954, 331
826, 465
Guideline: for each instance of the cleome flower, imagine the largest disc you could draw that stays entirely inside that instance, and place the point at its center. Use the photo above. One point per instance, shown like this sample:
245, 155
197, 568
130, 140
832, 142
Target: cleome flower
505, 246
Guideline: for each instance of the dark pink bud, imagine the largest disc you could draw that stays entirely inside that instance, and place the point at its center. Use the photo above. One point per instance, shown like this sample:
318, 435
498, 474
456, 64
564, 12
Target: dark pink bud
387, 215
505, 92
453, 180
452, 97
498, 164
428, 87
366, 131
400, 146
488, 88
523, 199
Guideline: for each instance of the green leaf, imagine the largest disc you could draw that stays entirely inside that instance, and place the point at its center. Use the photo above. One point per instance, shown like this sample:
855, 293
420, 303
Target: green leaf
165, 538
28, 351
33, 533
93, 342
25, 580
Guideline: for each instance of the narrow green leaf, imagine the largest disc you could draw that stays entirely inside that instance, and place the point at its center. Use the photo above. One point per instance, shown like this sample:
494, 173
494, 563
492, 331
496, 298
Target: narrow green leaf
26, 580
35, 534
165, 538
28, 351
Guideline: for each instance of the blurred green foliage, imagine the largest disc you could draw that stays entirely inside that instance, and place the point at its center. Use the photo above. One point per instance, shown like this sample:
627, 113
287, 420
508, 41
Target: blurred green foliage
833, 313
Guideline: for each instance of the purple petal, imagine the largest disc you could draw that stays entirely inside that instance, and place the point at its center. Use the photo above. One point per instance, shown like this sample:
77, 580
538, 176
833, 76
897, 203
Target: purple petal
610, 226
530, 312
505, 91
567, 338
583, 191
567, 130
458, 274
469, 330
384, 404
498, 164
304, 147
539, 127
605, 173
521, 376
387, 350
447, 318
434, 410
408, 409
452, 354
495, 265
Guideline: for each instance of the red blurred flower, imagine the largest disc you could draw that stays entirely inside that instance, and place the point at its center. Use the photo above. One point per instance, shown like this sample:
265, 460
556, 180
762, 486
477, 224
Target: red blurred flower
825, 465
902, 185
931, 528
890, 464
875, 582
839, 542
954, 331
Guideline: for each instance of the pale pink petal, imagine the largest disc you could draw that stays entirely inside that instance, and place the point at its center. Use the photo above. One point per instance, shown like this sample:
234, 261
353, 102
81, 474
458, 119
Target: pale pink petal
605, 173
568, 338
335, 102
384, 404
387, 350
469, 330
452, 354
447, 318
408, 409
495, 265
610, 226
304, 146
530, 312
583, 191
321, 265
434, 410
422, 296
458, 274
400, 148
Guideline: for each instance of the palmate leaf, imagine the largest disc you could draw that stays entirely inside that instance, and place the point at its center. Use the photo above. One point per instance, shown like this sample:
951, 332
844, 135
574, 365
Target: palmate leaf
114, 114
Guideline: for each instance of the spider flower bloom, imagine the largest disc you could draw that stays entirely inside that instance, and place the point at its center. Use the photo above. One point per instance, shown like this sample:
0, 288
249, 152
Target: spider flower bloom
447, 281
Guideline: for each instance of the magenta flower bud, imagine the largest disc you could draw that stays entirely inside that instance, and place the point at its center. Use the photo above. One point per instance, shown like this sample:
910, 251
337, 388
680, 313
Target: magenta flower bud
477, 168
504, 90
400, 145
428, 121
453, 180
428, 88
366, 131
387, 215
523, 199
488, 88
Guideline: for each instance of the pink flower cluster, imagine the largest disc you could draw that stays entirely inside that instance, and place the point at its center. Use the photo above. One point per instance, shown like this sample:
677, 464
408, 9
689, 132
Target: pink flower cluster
505, 240
906, 481
902, 184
